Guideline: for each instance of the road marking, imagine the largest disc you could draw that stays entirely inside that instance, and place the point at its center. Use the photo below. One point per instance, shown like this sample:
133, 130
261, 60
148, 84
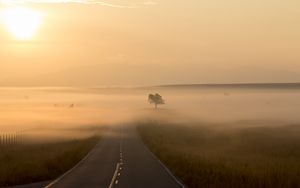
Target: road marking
164, 167
117, 174
77, 165
114, 177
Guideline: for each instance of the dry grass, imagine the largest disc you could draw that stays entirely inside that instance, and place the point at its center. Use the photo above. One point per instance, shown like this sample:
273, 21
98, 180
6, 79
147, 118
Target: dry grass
22, 164
243, 157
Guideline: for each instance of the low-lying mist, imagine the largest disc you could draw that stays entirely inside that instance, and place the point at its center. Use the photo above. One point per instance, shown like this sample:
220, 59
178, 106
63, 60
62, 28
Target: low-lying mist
65, 112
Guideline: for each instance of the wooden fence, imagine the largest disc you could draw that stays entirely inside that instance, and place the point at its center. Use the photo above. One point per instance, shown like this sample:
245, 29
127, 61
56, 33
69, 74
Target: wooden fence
7, 139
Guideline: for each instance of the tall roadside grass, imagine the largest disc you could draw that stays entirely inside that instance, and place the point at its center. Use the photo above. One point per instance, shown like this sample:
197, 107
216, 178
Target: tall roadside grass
22, 164
242, 157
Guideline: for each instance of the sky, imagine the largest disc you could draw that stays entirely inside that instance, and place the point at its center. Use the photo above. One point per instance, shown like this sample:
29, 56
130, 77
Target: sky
140, 42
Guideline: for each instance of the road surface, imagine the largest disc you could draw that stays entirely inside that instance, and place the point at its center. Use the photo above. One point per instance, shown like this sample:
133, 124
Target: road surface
120, 160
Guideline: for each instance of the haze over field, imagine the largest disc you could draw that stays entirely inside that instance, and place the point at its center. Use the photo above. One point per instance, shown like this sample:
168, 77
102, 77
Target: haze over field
150, 93
60, 108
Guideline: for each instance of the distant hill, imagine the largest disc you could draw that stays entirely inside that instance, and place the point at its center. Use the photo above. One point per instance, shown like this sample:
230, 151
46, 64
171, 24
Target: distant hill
236, 85
112, 74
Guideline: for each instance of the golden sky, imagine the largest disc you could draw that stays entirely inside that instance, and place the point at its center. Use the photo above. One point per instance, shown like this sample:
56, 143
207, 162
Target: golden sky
153, 42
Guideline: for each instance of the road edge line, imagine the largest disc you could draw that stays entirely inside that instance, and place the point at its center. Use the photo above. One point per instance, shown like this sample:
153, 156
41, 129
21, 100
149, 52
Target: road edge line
163, 165
165, 168
73, 168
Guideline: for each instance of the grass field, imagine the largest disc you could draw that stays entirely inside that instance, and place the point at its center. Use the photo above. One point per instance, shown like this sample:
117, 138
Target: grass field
203, 156
28, 163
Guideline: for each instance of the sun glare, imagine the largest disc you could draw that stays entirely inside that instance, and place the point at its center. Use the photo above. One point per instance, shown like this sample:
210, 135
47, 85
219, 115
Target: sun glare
21, 22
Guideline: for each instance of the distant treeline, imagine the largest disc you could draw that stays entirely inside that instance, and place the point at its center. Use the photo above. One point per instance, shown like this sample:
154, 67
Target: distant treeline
237, 86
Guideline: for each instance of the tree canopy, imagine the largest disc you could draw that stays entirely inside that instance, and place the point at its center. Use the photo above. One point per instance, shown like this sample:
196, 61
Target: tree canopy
156, 99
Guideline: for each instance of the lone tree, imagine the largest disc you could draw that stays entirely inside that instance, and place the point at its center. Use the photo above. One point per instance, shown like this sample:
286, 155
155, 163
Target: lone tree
156, 99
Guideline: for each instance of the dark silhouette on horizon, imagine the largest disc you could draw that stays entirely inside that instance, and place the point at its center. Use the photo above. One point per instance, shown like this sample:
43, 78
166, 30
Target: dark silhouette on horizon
156, 100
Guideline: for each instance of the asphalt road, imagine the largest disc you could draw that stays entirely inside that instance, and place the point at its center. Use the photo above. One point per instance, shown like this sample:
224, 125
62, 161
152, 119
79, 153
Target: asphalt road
120, 160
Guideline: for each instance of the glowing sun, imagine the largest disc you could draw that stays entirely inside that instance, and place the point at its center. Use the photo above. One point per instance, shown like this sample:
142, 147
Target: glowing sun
21, 22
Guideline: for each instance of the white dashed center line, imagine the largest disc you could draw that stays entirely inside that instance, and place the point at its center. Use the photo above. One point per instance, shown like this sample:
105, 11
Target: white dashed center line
117, 174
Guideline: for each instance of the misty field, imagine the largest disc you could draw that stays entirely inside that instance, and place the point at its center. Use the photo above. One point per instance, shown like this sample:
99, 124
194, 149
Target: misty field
215, 154
35, 162
203, 156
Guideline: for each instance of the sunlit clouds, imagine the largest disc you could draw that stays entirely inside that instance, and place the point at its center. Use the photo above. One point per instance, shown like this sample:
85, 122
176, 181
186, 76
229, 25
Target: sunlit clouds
123, 4
108, 42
